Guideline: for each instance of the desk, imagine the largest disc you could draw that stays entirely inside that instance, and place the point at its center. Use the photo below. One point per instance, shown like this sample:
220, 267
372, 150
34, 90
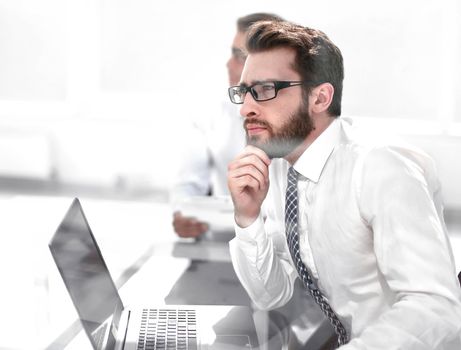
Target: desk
146, 259
138, 243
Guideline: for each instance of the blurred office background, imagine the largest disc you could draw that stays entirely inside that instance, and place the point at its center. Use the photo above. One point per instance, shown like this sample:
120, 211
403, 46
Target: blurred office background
96, 97
95, 94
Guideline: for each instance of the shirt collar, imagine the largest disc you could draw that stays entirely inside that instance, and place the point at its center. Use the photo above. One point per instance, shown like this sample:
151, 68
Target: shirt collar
311, 163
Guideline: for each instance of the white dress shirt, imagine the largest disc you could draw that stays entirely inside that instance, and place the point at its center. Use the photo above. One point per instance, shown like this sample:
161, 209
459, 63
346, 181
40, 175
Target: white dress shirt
371, 232
213, 141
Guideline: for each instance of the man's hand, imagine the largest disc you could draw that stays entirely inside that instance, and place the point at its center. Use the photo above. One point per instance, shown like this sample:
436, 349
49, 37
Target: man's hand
248, 182
187, 227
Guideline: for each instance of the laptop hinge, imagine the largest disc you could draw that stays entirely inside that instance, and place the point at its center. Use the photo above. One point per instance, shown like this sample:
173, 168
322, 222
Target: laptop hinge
121, 334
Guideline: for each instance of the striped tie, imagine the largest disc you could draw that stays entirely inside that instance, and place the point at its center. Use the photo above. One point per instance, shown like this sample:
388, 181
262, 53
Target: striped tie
291, 225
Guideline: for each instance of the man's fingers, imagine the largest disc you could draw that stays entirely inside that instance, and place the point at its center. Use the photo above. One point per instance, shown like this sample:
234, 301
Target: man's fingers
249, 158
249, 150
247, 181
249, 162
249, 176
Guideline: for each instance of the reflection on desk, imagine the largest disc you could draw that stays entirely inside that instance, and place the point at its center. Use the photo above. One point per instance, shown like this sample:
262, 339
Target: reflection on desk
208, 282
210, 278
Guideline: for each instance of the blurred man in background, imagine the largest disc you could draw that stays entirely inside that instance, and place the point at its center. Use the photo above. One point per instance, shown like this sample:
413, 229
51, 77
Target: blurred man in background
214, 143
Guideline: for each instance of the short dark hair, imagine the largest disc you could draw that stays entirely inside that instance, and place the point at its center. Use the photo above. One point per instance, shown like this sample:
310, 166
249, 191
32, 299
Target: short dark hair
317, 60
244, 23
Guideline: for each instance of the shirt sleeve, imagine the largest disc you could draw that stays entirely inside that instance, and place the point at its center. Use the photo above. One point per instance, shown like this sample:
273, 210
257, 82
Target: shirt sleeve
262, 264
398, 198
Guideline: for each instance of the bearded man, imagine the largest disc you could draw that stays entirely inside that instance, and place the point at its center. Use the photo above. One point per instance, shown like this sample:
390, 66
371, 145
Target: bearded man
358, 221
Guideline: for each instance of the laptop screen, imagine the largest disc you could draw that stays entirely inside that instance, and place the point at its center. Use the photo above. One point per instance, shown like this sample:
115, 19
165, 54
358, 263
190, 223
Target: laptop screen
85, 274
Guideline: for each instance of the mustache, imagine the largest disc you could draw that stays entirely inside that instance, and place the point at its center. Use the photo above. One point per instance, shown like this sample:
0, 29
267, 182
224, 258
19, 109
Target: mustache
255, 121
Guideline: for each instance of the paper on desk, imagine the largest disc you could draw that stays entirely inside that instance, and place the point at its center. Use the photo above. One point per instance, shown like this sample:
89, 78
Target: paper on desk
217, 211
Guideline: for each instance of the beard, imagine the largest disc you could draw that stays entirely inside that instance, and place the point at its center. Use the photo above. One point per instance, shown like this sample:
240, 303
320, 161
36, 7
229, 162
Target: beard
285, 139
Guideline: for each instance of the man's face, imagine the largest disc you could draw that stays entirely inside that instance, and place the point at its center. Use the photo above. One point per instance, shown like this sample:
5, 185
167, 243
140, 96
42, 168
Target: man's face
237, 60
276, 126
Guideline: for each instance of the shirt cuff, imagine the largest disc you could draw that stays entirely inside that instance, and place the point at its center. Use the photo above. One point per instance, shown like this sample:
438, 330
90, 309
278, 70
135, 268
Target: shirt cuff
252, 234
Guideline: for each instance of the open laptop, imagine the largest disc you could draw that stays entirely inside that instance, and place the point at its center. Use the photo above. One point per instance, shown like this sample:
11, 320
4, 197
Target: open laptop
109, 325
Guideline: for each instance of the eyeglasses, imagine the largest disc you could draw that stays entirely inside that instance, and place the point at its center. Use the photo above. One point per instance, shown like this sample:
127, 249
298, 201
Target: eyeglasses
263, 91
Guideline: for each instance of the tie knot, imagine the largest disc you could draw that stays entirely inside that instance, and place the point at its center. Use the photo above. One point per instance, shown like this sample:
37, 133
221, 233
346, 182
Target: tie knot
292, 175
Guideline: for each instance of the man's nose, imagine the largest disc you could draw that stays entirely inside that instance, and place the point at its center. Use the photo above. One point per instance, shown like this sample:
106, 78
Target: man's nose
250, 106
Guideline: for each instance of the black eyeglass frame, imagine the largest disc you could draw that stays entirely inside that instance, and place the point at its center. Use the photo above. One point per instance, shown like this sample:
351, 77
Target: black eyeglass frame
278, 85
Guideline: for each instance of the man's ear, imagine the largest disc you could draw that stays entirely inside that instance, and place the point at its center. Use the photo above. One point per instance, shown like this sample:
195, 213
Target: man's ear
321, 97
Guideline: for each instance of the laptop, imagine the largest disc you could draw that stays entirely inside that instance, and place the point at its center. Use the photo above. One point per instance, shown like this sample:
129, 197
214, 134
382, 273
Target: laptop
109, 325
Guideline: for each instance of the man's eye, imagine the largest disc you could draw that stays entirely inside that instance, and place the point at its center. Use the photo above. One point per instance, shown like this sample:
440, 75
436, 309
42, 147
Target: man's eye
268, 87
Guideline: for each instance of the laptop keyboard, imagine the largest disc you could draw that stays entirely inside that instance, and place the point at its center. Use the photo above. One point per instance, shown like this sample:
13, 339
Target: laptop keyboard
165, 329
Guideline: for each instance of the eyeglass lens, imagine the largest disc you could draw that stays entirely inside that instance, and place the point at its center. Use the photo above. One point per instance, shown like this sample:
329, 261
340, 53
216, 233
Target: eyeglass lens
260, 92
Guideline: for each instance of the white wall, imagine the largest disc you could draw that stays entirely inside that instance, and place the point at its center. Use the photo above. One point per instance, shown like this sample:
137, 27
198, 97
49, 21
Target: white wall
112, 83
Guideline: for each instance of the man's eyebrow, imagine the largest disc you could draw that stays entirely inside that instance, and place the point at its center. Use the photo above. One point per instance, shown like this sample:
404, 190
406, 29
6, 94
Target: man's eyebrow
253, 82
